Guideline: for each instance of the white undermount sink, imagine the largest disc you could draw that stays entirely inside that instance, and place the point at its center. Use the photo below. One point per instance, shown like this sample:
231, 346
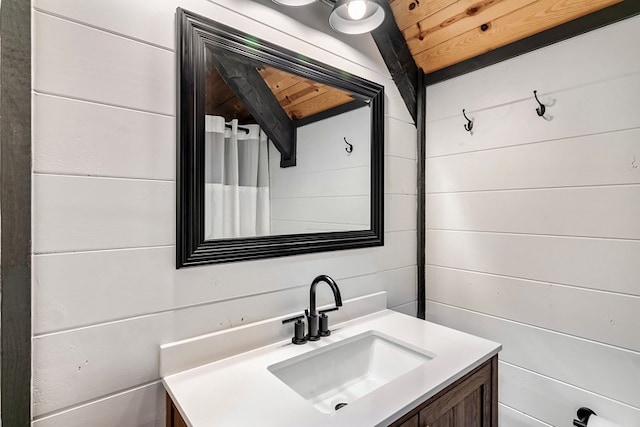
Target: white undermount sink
345, 371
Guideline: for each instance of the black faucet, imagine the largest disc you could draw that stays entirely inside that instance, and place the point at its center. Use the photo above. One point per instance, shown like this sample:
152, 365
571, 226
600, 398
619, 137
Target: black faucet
312, 314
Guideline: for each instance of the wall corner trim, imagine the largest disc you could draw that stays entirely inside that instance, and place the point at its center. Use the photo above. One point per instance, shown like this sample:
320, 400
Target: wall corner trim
15, 201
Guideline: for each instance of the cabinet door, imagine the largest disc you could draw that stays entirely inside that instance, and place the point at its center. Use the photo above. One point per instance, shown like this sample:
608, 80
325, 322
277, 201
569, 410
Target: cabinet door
174, 419
412, 422
466, 404
440, 420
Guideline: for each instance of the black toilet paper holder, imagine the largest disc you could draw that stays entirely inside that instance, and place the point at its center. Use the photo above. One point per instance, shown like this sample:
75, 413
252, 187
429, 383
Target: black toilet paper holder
583, 417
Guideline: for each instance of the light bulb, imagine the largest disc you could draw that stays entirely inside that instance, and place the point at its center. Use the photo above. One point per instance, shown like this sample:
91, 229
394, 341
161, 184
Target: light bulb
357, 9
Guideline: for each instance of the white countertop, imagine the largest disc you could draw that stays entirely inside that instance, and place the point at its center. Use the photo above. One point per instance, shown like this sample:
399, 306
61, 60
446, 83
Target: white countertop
240, 390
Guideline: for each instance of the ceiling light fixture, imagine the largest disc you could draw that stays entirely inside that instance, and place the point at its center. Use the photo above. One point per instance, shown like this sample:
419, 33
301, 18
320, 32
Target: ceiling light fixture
356, 16
357, 9
294, 2
349, 16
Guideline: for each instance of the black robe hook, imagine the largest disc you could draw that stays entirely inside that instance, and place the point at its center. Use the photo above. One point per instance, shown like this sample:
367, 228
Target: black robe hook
542, 108
348, 149
469, 124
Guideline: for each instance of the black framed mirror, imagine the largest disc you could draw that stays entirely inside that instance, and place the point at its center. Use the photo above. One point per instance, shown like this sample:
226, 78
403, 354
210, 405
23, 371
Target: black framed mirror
278, 154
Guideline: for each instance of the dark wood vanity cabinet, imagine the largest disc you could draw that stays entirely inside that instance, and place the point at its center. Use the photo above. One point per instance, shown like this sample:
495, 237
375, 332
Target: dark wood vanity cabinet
472, 401
174, 419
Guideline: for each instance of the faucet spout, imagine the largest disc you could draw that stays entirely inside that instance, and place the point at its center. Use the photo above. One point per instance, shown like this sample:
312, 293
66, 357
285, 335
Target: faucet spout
313, 313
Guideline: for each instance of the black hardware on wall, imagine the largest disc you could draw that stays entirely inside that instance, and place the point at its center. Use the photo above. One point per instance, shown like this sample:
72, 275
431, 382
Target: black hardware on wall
348, 149
583, 417
541, 107
469, 124
239, 128
299, 337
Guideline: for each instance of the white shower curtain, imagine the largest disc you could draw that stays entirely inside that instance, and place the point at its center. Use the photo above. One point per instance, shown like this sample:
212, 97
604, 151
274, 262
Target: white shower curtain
236, 180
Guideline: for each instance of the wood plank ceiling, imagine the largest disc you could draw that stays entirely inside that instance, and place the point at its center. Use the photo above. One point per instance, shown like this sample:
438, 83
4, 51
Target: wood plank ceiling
301, 97
441, 33
298, 96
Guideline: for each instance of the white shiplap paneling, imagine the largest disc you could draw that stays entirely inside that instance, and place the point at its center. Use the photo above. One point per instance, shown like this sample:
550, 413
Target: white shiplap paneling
399, 175
601, 159
328, 186
121, 72
509, 417
355, 210
106, 292
607, 264
601, 316
610, 211
556, 402
109, 357
533, 235
83, 138
612, 370
81, 213
140, 407
400, 139
89, 288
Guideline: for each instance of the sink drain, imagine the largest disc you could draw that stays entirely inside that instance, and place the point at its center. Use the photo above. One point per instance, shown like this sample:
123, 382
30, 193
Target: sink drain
340, 405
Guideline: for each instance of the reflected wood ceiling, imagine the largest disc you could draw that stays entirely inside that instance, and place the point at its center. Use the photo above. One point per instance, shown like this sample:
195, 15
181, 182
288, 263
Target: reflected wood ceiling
220, 100
298, 96
301, 97
441, 33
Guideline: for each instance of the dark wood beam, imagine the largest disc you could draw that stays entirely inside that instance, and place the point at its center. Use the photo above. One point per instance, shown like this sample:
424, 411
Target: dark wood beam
395, 52
606, 16
422, 195
15, 200
248, 85
340, 109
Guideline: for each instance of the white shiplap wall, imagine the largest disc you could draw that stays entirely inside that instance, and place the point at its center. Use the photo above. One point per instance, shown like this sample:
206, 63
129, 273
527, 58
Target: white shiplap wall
105, 290
533, 225
328, 189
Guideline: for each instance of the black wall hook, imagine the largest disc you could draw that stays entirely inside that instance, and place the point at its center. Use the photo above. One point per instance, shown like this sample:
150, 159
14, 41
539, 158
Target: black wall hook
469, 124
348, 149
542, 108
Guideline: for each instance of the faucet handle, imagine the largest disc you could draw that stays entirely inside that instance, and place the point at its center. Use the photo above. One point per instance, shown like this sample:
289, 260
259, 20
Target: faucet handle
298, 334
328, 310
293, 319
324, 322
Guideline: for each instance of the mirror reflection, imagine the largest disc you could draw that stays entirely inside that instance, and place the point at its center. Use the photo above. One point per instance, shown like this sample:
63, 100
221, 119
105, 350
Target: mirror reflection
283, 154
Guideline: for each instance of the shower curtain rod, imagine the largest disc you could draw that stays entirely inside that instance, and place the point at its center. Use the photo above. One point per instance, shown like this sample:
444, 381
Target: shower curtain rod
228, 126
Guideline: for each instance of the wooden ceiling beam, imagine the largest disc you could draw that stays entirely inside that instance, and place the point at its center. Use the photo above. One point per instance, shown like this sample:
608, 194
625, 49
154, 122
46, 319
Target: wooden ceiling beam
396, 55
247, 83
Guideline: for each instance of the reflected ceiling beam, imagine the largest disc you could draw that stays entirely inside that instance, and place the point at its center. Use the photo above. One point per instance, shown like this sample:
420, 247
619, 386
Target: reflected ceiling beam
248, 85
340, 109
395, 52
